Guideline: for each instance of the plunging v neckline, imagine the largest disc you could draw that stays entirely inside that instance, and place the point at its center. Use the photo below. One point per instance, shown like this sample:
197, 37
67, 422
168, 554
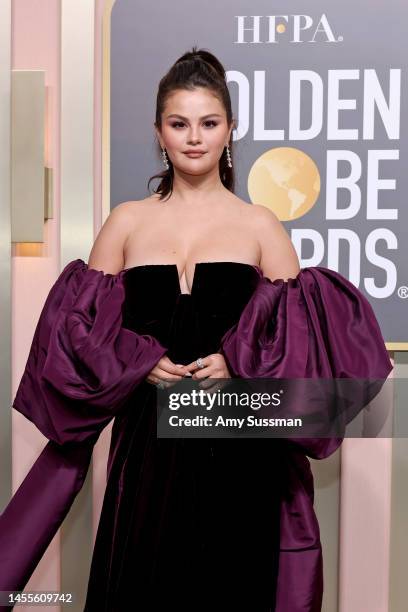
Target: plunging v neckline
197, 266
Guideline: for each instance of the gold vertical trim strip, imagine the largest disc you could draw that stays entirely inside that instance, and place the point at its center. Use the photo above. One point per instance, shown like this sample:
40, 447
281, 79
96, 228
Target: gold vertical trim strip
5, 256
77, 213
106, 112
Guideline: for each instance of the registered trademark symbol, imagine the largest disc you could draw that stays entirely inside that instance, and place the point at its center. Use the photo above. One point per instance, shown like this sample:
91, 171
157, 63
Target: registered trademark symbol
340, 38
403, 292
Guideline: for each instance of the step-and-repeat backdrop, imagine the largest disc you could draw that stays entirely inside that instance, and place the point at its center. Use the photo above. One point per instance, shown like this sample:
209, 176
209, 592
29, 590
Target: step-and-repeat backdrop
319, 97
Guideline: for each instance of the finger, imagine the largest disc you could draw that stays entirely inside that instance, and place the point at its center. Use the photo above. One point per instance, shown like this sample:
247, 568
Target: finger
211, 387
203, 373
162, 373
173, 368
169, 377
190, 367
193, 365
153, 380
160, 383
213, 381
207, 383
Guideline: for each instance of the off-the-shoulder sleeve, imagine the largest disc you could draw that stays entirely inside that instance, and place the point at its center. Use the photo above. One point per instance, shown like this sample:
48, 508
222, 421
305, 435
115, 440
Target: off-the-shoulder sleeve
317, 325
81, 368
82, 365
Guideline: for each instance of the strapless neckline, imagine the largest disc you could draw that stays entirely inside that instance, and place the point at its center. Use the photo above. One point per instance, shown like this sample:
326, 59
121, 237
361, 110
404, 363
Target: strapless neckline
198, 266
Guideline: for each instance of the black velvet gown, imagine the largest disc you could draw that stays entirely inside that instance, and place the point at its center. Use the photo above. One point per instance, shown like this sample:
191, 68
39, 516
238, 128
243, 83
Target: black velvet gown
186, 524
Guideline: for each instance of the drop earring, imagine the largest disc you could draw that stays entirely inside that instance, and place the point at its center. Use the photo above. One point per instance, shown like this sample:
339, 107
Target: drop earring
165, 160
229, 157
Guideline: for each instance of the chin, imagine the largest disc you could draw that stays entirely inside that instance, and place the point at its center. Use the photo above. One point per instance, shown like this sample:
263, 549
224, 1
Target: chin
195, 169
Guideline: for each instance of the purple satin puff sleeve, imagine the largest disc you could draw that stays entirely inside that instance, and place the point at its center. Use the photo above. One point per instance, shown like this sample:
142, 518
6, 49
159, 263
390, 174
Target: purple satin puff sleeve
317, 325
83, 364
81, 368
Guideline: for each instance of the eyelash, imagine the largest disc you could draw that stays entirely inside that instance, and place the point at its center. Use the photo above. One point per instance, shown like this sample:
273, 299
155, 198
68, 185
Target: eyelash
182, 123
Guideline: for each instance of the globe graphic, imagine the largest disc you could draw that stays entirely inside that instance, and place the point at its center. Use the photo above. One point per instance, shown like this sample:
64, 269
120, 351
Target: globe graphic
286, 180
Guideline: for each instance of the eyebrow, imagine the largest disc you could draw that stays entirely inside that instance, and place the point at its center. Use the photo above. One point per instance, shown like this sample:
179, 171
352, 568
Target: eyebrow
185, 118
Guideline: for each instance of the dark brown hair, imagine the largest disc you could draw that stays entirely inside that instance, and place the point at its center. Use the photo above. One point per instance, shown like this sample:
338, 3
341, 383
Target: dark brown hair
196, 68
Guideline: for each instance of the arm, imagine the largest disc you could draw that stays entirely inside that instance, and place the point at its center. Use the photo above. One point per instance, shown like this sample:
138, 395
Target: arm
107, 253
278, 257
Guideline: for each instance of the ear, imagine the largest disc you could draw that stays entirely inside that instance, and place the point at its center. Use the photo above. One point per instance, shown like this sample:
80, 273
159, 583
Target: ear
158, 135
233, 127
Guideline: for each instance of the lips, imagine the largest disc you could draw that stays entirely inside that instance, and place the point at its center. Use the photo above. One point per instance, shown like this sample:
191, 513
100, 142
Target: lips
194, 152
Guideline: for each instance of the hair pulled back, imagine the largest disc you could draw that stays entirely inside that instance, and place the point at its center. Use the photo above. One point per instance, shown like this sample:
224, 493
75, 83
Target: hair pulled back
196, 68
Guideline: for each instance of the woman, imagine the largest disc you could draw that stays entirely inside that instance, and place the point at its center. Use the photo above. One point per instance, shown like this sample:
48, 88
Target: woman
191, 281
195, 237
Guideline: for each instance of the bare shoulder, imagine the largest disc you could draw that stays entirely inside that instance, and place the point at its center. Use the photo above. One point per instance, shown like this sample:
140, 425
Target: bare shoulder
130, 207
131, 213
107, 252
136, 208
278, 255
262, 215
258, 214
262, 219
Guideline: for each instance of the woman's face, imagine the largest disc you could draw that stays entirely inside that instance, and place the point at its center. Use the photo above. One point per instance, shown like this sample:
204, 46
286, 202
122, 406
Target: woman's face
194, 121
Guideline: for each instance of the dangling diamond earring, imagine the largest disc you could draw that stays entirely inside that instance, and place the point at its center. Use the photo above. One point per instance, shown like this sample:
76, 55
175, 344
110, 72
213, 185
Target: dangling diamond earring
229, 157
165, 160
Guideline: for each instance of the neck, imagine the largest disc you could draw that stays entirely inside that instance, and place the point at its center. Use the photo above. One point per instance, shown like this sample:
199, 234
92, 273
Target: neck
195, 190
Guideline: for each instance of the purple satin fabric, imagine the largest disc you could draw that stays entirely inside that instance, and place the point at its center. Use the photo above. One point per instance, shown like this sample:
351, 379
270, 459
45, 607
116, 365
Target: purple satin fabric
81, 368
83, 365
317, 325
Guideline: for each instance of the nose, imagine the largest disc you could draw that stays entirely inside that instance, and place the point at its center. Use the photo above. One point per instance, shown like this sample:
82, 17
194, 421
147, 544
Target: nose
194, 136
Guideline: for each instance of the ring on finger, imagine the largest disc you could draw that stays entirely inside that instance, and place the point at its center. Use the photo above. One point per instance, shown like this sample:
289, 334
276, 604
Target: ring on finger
200, 363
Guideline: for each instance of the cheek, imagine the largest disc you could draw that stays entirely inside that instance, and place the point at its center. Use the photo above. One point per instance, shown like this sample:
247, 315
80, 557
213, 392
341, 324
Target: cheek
173, 139
216, 139
217, 145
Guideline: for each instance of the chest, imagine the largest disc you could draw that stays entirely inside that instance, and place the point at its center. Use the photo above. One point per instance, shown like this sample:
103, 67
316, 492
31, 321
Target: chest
188, 243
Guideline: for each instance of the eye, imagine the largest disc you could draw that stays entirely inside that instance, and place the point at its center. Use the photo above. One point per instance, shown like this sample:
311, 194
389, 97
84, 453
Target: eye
210, 121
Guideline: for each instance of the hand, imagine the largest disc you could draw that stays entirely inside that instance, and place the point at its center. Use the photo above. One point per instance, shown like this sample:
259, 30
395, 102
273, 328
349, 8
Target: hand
214, 367
167, 372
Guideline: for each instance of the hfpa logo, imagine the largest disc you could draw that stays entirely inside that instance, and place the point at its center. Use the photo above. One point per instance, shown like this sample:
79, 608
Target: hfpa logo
301, 28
